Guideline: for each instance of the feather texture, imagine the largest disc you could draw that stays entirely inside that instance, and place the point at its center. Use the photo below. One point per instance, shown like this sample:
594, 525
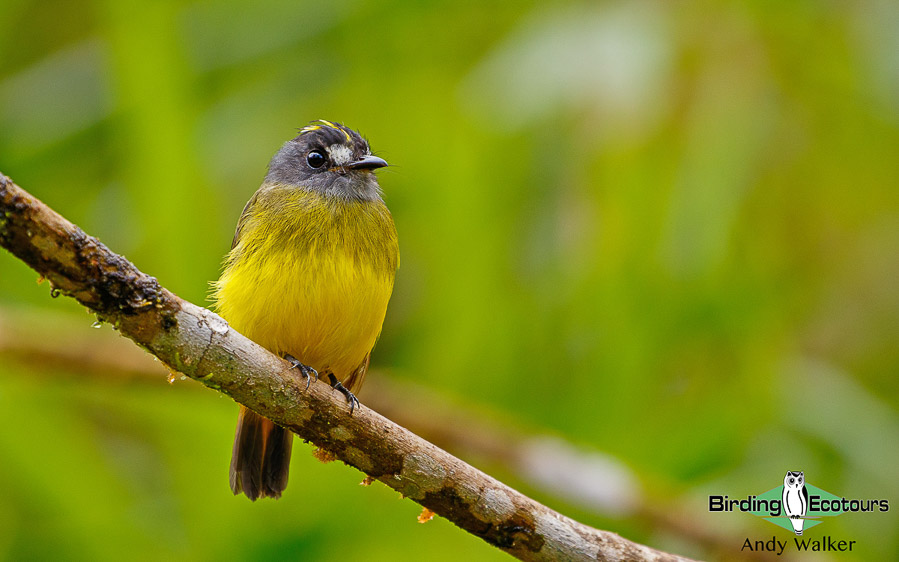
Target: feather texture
308, 275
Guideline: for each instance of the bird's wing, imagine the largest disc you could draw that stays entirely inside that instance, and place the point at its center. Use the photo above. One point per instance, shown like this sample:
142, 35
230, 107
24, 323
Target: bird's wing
354, 381
244, 215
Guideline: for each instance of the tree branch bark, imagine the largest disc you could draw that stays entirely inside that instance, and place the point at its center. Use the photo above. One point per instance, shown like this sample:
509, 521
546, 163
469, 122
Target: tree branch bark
201, 345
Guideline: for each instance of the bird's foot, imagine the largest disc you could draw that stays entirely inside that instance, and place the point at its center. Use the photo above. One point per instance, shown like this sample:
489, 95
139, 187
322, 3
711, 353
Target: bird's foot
308, 372
350, 397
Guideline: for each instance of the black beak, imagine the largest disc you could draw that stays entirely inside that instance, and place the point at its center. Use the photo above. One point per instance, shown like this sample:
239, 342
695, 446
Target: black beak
367, 163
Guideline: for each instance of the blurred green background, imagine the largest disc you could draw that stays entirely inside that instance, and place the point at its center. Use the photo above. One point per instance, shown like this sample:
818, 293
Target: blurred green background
665, 231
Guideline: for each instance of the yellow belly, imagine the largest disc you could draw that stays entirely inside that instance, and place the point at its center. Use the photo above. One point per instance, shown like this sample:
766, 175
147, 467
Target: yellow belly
311, 277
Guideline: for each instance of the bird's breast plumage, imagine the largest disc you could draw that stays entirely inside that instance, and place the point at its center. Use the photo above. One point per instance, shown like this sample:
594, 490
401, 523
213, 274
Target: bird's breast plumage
310, 275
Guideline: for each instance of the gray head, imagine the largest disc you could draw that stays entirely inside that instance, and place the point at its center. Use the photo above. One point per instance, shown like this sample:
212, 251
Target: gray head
330, 159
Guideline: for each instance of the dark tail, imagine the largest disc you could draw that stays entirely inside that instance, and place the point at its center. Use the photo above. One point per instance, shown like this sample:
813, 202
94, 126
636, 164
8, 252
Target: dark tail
260, 459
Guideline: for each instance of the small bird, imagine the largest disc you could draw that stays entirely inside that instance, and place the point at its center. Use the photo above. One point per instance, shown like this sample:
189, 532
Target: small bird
308, 277
795, 500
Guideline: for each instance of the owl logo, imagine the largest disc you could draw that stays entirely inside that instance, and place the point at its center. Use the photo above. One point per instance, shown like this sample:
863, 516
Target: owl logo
795, 499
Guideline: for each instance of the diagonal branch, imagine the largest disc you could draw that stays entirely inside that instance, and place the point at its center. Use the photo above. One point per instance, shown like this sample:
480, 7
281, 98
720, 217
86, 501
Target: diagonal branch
200, 344
580, 476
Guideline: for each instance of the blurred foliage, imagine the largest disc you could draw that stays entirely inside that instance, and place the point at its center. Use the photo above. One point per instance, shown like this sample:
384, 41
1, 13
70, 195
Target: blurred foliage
668, 231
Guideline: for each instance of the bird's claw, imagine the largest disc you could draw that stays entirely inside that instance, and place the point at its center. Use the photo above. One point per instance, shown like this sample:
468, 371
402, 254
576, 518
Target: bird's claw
350, 397
308, 372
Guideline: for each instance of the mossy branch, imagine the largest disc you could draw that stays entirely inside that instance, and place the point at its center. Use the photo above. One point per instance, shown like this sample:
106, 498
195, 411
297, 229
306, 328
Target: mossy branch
200, 344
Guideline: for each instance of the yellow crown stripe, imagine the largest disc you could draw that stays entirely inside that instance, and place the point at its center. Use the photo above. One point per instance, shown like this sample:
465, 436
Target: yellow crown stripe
333, 126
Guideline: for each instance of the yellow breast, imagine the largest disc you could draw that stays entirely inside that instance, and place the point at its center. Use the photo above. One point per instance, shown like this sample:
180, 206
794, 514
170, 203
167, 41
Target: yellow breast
311, 276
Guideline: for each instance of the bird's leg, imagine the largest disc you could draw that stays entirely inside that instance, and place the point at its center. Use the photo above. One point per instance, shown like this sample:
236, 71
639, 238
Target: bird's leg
308, 372
350, 397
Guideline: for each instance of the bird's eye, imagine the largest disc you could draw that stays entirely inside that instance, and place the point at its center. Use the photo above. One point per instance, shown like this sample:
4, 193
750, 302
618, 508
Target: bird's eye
791, 480
315, 159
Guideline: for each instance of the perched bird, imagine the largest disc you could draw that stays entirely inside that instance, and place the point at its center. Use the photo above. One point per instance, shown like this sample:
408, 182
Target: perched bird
795, 500
308, 277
